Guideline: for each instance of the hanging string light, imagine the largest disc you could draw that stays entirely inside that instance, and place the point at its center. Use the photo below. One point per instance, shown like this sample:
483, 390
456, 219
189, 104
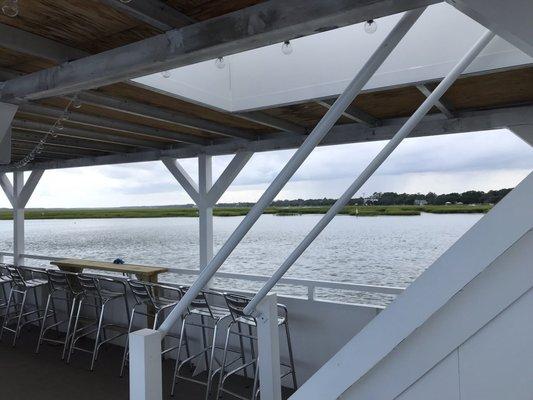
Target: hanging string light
220, 63
286, 47
371, 26
56, 126
10, 8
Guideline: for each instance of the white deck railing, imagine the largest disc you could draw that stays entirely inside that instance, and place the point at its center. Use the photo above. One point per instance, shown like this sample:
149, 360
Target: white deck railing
309, 285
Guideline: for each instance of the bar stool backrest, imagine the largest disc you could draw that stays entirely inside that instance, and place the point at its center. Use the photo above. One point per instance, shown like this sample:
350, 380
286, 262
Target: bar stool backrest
60, 280
141, 291
3, 270
236, 304
89, 284
16, 276
199, 302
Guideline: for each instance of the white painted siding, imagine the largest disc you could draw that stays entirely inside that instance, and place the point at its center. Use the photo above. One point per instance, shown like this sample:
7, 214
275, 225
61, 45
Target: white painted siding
486, 329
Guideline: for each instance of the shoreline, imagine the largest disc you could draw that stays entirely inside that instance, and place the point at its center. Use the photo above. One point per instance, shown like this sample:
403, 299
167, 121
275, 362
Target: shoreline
177, 212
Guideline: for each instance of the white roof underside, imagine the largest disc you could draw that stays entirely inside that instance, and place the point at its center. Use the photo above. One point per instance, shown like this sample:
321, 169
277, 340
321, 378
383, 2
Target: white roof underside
322, 65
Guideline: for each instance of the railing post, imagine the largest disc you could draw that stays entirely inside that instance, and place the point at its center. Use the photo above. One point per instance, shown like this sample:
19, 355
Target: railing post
146, 378
268, 348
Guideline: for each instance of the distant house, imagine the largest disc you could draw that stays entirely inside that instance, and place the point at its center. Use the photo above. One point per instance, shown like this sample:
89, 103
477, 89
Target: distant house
420, 202
370, 200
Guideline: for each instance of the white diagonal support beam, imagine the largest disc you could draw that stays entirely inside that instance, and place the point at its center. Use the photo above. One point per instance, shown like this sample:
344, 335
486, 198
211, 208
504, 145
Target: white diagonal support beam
312, 140
29, 187
376, 162
152, 12
7, 187
441, 104
28, 43
265, 23
353, 113
233, 169
184, 179
524, 132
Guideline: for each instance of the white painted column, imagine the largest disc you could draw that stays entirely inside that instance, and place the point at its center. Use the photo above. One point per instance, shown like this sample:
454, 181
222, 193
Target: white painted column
205, 208
146, 377
268, 348
18, 218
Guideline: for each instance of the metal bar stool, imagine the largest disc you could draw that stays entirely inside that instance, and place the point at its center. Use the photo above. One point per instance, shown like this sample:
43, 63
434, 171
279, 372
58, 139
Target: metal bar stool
22, 286
93, 289
236, 304
60, 288
5, 286
156, 299
207, 314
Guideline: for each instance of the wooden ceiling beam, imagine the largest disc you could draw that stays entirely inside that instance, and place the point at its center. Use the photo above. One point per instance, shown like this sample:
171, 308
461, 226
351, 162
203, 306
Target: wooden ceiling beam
160, 114
112, 124
28, 43
152, 12
34, 126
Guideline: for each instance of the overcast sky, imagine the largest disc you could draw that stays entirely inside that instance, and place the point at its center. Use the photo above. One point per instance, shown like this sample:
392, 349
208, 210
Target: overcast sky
480, 161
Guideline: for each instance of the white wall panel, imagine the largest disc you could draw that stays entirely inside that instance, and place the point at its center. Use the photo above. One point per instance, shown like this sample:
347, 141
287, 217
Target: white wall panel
497, 362
441, 383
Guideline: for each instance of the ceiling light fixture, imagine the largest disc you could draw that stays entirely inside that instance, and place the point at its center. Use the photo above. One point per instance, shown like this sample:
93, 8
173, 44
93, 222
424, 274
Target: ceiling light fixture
220, 63
286, 47
371, 26
10, 8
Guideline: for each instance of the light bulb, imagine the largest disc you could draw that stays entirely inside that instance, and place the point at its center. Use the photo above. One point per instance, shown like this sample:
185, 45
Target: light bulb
371, 26
165, 74
10, 8
286, 47
220, 63
59, 125
125, 1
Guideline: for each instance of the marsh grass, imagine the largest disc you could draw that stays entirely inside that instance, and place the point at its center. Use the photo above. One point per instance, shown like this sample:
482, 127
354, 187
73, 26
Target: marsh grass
165, 212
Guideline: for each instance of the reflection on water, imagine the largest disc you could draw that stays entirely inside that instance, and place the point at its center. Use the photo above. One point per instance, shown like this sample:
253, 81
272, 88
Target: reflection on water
383, 250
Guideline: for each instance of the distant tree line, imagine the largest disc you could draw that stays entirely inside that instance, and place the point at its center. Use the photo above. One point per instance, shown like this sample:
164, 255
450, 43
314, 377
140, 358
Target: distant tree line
392, 198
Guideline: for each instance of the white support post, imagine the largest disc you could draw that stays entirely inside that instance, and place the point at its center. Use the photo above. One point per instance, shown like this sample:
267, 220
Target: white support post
18, 195
312, 140
146, 377
205, 209
205, 194
268, 348
18, 218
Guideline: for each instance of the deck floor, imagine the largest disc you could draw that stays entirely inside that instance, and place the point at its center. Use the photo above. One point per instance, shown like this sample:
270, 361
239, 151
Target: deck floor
26, 375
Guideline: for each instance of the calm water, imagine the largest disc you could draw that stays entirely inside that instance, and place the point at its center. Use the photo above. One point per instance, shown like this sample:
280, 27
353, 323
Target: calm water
371, 250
